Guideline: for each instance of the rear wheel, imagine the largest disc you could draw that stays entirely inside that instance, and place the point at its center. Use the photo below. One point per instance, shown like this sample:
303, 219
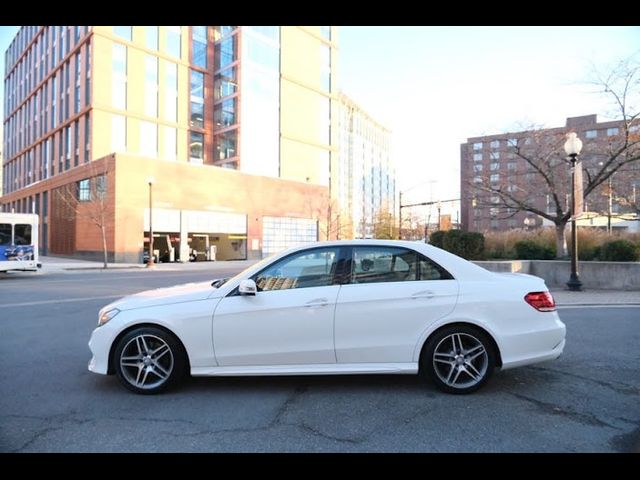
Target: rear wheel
459, 359
149, 360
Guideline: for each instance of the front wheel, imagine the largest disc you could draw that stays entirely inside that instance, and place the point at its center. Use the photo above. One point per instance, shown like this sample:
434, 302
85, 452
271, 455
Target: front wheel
458, 359
149, 360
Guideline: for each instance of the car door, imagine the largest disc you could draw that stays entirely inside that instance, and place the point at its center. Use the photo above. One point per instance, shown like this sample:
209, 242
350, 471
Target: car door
290, 319
394, 294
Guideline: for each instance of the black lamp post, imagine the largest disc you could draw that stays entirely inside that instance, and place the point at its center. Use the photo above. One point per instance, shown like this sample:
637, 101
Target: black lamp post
150, 262
572, 147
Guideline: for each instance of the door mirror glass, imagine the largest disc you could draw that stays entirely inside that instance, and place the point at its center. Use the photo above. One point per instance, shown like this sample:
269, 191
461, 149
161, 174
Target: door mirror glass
247, 287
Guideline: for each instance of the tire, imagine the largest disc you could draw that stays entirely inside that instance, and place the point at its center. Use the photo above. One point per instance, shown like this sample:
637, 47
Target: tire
461, 369
148, 360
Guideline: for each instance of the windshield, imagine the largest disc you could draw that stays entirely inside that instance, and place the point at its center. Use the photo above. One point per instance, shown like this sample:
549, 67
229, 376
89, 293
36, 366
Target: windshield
220, 282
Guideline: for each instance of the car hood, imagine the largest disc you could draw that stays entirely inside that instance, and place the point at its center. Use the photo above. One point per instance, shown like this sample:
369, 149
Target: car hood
164, 296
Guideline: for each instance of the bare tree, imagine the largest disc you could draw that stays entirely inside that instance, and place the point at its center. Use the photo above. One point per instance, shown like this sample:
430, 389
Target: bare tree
89, 199
543, 186
333, 222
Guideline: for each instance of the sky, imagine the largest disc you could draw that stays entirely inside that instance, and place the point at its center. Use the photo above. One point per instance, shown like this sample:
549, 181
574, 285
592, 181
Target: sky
434, 87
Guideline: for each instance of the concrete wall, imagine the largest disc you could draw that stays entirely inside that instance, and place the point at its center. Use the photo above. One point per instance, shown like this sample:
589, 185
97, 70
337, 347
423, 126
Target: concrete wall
600, 275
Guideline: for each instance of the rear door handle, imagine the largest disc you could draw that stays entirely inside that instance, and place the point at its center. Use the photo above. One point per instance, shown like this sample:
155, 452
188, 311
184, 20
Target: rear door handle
318, 302
423, 294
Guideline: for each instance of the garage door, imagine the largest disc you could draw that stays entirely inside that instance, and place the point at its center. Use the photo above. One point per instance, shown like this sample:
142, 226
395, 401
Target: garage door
279, 233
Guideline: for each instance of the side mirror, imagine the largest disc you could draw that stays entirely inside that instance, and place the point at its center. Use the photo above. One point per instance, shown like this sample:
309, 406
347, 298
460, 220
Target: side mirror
247, 287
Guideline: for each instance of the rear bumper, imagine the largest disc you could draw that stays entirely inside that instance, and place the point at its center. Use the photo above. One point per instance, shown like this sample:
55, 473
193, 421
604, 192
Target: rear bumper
534, 347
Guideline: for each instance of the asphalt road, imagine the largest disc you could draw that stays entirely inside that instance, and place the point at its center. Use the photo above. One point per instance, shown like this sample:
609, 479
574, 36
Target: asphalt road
586, 401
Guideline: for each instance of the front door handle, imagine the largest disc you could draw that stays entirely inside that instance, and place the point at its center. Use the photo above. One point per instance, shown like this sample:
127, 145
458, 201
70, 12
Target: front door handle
318, 302
423, 294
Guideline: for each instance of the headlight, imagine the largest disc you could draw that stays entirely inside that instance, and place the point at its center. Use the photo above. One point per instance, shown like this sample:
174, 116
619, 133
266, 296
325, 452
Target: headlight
106, 316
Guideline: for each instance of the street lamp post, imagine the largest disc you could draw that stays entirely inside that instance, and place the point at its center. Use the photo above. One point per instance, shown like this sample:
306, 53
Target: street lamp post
439, 204
150, 262
572, 147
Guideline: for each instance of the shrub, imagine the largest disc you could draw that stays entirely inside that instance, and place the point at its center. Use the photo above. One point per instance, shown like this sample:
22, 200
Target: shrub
619, 251
530, 250
437, 239
469, 245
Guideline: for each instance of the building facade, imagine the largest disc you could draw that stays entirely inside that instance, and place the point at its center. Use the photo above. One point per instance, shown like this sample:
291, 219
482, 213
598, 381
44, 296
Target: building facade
490, 162
365, 183
233, 124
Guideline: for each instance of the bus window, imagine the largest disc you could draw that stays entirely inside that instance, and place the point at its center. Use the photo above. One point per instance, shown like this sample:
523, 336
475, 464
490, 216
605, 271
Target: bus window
23, 234
5, 234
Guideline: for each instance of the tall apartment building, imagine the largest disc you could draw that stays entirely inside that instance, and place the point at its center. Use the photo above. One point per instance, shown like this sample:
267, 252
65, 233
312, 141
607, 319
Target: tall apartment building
233, 124
491, 160
365, 177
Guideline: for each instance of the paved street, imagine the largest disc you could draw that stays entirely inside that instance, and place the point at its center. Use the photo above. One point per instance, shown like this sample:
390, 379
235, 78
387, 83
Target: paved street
587, 401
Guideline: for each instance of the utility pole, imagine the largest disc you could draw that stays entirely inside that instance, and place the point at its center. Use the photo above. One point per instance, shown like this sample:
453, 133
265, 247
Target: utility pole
400, 218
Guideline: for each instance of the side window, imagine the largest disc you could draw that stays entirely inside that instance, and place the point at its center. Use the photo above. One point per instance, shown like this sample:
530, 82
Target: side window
23, 234
383, 264
5, 234
301, 270
432, 271
390, 264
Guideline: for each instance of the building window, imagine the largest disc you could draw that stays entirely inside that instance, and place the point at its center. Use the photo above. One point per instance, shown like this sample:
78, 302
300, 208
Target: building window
512, 142
173, 41
222, 31
119, 72
495, 177
171, 92
224, 113
87, 137
225, 52
118, 133
197, 99
151, 37
477, 179
494, 166
76, 142
477, 157
225, 83
511, 166
494, 155
325, 31
170, 143
199, 46
226, 144
123, 32
495, 144
612, 131
591, 133
148, 139
477, 146
101, 186
84, 190
196, 147
151, 85
477, 168
325, 67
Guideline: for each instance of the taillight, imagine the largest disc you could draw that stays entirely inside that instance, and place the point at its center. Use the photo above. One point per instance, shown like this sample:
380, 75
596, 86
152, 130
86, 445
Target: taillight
541, 301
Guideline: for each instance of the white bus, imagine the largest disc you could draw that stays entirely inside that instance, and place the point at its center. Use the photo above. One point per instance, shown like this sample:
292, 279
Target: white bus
18, 241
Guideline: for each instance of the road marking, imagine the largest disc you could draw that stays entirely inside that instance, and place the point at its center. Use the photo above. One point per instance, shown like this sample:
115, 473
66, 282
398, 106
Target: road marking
66, 300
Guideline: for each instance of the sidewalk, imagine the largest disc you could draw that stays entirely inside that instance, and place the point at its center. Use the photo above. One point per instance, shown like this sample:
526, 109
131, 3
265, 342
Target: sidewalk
73, 265
590, 297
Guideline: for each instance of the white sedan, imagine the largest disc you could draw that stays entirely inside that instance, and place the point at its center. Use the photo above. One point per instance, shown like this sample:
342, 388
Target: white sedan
344, 307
